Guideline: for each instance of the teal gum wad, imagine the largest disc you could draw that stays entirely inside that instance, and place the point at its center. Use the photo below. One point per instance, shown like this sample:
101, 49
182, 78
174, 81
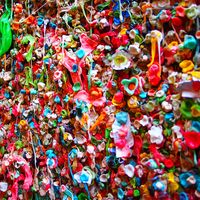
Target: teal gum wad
189, 42
5, 32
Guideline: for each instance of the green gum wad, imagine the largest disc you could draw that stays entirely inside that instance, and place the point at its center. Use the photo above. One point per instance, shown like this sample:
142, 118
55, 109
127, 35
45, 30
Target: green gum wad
5, 32
185, 109
25, 40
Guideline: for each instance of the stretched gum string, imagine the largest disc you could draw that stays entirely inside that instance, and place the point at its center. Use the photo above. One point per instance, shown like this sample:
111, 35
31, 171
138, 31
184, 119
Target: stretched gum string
70, 168
66, 21
131, 17
91, 18
159, 57
28, 7
11, 14
5, 65
45, 26
176, 34
47, 79
52, 196
197, 48
120, 11
6, 5
145, 18
62, 48
31, 68
40, 7
89, 123
83, 10
153, 51
87, 190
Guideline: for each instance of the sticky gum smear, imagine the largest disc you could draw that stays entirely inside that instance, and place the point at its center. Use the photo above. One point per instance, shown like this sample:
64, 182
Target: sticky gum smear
68, 62
87, 46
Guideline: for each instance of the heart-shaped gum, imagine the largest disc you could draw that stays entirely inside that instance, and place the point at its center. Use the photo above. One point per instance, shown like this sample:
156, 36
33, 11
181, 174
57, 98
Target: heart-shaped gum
130, 85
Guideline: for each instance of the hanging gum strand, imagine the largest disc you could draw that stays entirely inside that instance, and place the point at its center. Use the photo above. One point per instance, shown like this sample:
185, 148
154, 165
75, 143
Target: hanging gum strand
153, 50
176, 34
158, 43
84, 13
120, 11
5, 62
197, 48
